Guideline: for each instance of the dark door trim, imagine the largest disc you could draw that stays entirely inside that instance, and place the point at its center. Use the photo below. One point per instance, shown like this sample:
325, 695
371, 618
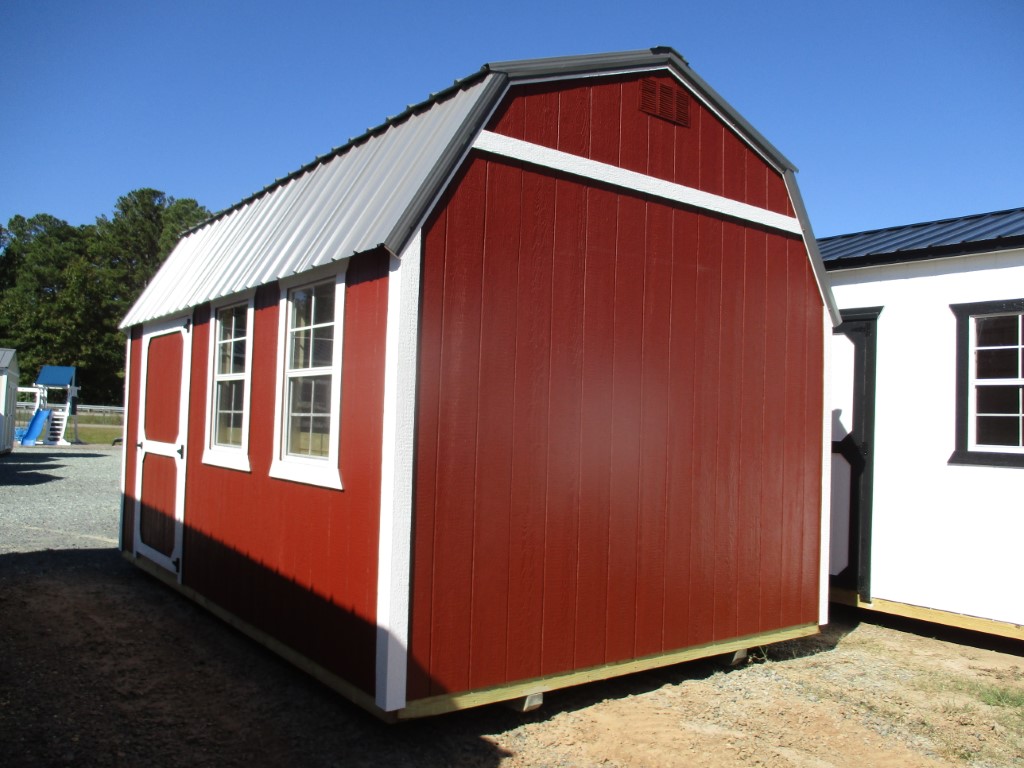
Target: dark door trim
861, 327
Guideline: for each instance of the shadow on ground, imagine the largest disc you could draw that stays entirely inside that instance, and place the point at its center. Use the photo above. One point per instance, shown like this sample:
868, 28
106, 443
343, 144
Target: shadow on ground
102, 665
31, 467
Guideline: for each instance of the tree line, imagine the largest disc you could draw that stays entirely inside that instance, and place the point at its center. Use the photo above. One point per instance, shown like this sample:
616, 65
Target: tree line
64, 289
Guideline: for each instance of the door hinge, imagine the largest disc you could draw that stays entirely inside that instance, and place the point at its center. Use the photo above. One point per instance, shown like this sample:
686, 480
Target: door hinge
181, 451
176, 562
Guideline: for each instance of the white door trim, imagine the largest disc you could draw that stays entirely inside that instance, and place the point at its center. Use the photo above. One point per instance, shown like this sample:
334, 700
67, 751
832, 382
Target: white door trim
176, 450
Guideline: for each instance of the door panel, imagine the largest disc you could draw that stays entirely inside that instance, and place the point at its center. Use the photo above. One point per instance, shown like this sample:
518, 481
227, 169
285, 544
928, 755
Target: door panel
156, 507
160, 464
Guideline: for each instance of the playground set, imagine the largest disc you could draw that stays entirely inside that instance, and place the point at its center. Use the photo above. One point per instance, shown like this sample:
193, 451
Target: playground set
50, 420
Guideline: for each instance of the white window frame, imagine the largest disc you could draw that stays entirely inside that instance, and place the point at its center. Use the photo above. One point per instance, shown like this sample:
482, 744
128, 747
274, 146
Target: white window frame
311, 470
228, 456
975, 385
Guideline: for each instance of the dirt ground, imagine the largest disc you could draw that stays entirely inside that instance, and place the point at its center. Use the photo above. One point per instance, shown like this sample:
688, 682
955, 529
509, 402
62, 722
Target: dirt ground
102, 665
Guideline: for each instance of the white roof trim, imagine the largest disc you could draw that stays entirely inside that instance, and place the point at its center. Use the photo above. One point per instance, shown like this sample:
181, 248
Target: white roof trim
576, 165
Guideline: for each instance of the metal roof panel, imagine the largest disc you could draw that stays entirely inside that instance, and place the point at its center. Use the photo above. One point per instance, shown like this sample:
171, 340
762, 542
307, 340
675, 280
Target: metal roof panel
346, 204
925, 240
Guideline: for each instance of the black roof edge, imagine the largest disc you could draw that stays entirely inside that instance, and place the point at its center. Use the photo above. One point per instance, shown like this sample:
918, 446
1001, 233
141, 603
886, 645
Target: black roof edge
919, 224
445, 167
926, 253
651, 57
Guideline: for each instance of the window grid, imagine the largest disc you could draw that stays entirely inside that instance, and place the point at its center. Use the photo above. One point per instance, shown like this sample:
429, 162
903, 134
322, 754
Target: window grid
309, 370
998, 381
229, 375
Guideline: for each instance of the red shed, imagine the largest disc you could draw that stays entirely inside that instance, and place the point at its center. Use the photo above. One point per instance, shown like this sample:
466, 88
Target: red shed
521, 389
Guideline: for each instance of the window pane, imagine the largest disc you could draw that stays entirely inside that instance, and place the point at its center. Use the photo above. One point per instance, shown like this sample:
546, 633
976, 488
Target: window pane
309, 421
231, 340
999, 400
238, 356
323, 346
998, 430
323, 307
997, 363
223, 358
998, 331
230, 398
302, 307
300, 349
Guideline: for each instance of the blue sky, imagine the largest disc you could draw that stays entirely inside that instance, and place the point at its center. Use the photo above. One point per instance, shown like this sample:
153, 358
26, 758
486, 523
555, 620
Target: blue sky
894, 111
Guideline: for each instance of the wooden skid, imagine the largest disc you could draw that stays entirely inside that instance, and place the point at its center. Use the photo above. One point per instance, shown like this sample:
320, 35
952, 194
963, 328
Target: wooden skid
436, 705
934, 615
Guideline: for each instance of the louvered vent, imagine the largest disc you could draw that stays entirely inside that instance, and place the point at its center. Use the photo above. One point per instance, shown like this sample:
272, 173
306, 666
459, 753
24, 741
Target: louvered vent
665, 100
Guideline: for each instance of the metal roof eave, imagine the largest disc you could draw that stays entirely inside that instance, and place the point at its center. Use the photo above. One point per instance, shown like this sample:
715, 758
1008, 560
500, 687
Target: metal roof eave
930, 253
811, 243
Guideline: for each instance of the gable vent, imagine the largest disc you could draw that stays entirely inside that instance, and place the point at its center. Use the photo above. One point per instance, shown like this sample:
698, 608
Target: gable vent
665, 100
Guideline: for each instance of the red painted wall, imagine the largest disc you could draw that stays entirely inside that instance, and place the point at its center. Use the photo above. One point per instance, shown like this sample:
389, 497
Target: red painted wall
297, 561
620, 415
600, 120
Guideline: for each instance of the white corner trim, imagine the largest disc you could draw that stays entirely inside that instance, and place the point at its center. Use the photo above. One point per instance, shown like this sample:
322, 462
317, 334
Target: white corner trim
826, 468
524, 151
394, 558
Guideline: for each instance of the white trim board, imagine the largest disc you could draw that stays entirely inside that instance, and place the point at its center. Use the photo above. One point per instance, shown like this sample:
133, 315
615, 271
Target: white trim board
534, 154
394, 557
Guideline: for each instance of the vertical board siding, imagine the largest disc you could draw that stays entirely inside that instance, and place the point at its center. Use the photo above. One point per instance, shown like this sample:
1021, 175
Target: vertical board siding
297, 561
619, 425
601, 120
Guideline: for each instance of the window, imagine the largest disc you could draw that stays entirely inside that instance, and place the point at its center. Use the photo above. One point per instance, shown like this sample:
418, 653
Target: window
227, 420
309, 383
990, 383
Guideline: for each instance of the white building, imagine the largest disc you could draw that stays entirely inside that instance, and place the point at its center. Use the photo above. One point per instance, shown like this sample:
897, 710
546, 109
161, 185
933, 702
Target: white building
8, 398
928, 420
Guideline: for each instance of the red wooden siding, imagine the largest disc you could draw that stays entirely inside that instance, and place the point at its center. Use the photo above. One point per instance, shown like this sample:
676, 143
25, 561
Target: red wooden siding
619, 438
602, 121
296, 561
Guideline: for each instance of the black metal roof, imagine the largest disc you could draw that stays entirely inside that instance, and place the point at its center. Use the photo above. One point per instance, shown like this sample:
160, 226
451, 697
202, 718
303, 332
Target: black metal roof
963, 235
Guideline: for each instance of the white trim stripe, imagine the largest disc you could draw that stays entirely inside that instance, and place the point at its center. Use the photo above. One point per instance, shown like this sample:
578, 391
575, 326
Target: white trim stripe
394, 558
534, 154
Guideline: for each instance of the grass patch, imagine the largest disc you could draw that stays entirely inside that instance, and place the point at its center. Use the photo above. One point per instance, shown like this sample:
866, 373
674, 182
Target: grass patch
94, 433
1001, 696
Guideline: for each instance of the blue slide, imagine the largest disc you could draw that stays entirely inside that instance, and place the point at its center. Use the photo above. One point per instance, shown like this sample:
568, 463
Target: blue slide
39, 419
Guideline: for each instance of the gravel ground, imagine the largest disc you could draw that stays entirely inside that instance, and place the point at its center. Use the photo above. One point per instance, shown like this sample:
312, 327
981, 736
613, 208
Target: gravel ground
59, 498
101, 665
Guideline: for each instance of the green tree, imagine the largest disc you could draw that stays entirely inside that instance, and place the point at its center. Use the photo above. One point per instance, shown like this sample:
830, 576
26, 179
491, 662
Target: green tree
65, 289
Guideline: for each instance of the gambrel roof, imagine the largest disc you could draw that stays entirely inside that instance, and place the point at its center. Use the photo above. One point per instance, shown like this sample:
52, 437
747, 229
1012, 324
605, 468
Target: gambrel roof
376, 190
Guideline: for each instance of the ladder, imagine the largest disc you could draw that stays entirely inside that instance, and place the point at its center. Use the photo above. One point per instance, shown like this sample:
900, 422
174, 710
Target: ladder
58, 423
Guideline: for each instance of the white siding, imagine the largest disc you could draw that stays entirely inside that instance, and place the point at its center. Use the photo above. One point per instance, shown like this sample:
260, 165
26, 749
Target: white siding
943, 536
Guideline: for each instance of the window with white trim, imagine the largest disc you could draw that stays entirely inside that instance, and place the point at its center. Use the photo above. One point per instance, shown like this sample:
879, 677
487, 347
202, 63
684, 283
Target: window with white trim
309, 383
230, 370
990, 383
